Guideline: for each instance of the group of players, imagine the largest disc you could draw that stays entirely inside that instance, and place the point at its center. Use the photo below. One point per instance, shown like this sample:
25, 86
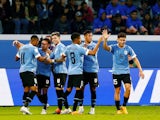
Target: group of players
82, 69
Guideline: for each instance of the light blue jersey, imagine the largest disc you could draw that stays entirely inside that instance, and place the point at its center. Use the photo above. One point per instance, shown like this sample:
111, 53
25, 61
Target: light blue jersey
90, 62
43, 68
56, 54
75, 54
28, 54
120, 58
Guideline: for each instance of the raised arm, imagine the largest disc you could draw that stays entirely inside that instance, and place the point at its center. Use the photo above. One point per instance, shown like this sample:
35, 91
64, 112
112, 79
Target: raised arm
94, 51
17, 44
105, 37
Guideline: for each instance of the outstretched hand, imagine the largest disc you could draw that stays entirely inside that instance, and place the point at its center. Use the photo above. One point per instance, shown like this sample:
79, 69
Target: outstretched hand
105, 34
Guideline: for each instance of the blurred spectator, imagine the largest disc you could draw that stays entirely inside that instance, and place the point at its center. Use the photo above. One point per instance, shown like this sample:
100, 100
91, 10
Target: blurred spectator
101, 21
148, 23
118, 24
6, 17
62, 25
55, 11
78, 24
134, 24
129, 7
42, 9
97, 4
151, 2
156, 10
71, 9
87, 14
157, 29
144, 8
19, 18
32, 16
114, 8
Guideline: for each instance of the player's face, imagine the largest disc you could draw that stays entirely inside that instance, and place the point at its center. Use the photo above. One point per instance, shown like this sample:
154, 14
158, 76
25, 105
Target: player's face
88, 37
79, 40
121, 41
35, 42
44, 45
55, 39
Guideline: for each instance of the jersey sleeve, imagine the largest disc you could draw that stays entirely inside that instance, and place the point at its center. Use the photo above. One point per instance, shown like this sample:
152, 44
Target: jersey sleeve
132, 53
36, 53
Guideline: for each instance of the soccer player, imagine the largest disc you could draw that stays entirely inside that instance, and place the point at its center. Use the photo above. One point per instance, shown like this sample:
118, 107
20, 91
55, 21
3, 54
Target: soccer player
90, 69
75, 54
120, 69
59, 71
27, 55
43, 73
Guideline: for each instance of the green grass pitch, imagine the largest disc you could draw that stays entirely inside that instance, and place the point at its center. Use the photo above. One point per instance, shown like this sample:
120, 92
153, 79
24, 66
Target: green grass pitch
102, 113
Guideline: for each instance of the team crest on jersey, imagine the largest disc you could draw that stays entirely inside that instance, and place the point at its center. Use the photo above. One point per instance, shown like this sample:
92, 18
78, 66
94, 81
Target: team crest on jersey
125, 52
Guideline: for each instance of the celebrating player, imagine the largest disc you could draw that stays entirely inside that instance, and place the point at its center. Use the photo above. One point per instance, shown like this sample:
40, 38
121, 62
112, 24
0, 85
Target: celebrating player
120, 69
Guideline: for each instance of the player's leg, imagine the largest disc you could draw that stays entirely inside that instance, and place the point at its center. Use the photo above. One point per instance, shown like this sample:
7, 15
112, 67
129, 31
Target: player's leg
26, 88
78, 83
117, 88
81, 108
40, 86
59, 81
68, 91
93, 82
45, 100
32, 84
45, 84
127, 85
93, 99
28, 80
77, 99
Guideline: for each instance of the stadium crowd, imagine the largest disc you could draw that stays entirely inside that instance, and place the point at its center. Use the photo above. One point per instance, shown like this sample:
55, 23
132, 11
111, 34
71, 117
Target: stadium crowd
68, 16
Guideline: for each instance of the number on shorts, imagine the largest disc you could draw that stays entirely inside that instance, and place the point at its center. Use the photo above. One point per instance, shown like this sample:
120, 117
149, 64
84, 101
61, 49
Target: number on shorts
115, 82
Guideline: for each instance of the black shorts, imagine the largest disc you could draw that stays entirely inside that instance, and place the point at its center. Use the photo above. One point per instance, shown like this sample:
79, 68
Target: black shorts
43, 81
118, 79
60, 80
91, 78
75, 81
28, 79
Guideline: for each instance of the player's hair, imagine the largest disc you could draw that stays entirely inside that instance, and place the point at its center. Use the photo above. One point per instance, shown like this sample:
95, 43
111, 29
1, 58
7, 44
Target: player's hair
34, 37
87, 32
47, 40
121, 34
55, 33
75, 35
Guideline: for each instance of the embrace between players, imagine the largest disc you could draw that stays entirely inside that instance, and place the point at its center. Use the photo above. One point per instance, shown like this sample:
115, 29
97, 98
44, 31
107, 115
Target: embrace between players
82, 69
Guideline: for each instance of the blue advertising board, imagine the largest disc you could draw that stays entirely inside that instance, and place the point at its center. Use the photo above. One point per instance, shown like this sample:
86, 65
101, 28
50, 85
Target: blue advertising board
144, 91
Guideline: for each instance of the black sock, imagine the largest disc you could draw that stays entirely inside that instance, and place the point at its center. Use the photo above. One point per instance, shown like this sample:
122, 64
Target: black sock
60, 98
45, 100
77, 99
81, 98
30, 98
93, 98
65, 97
75, 104
117, 105
25, 95
125, 101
